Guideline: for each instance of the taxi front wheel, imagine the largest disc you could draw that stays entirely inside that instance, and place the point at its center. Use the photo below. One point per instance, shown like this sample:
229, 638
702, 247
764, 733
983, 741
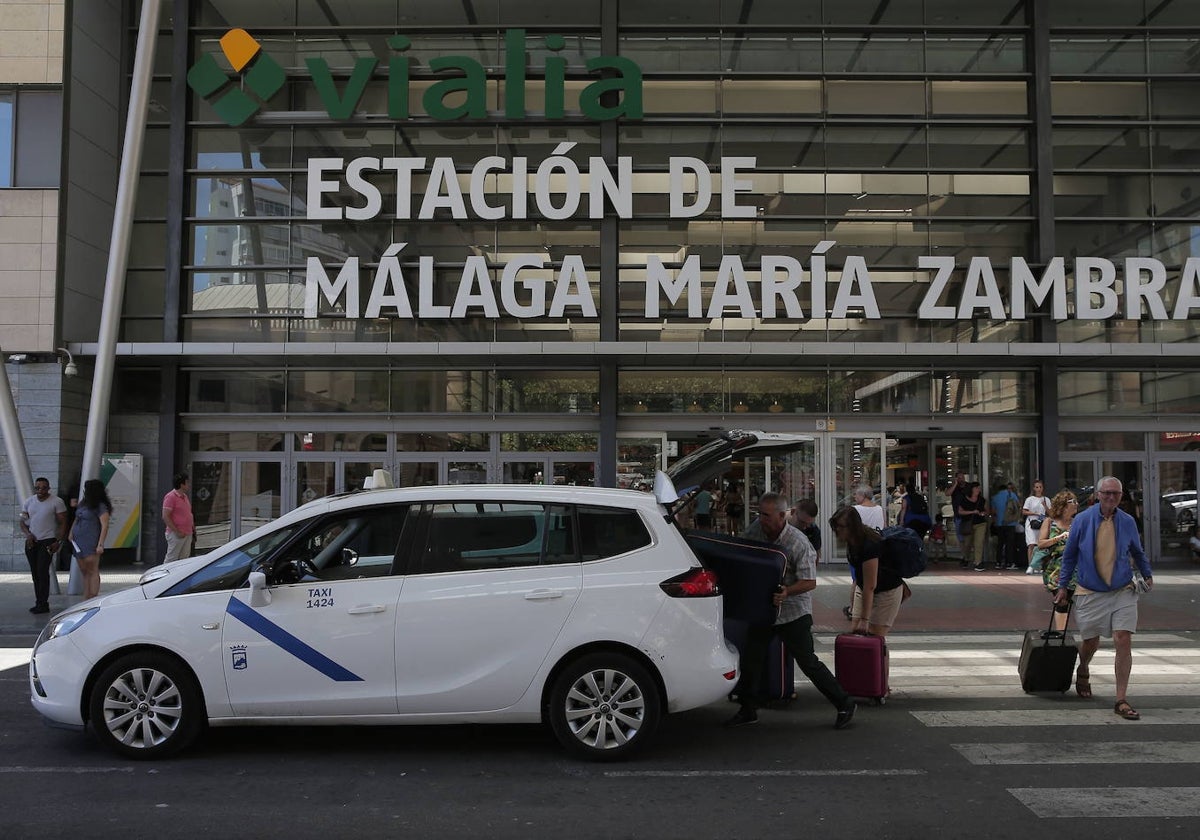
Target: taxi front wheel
604, 706
146, 705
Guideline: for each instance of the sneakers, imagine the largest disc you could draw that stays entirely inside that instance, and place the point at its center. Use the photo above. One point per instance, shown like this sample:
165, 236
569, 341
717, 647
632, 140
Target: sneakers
746, 716
979, 568
38, 609
845, 715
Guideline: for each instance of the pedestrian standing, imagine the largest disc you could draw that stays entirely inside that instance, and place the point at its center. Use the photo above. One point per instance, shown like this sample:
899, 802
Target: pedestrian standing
1101, 553
177, 519
962, 526
702, 506
973, 511
43, 521
794, 623
88, 533
1006, 510
1035, 509
870, 513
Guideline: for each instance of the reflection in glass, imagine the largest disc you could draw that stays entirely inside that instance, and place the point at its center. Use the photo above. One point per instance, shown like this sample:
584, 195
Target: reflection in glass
874, 53
978, 98
1115, 147
260, 492
235, 392
1098, 99
1102, 195
338, 391
962, 54
314, 480
1086, 55
416, 474
212, 503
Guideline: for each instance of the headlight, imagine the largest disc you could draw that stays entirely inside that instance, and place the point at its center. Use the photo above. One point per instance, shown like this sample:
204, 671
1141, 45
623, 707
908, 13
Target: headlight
65, 624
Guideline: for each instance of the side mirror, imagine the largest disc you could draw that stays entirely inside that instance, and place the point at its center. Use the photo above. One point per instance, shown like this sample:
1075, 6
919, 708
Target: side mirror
260, 594
349, 557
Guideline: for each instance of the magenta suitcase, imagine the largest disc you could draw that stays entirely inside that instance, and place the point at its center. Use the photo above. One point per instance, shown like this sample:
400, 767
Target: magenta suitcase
860, 663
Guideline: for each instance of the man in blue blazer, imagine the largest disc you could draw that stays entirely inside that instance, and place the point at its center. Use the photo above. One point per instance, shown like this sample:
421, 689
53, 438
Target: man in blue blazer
1102, 548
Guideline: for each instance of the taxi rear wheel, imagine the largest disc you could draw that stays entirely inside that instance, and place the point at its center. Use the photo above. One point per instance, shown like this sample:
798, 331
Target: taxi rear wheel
604, 706
146, 705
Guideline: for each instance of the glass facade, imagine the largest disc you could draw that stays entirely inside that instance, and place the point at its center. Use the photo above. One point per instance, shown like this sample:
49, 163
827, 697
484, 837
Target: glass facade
868, 190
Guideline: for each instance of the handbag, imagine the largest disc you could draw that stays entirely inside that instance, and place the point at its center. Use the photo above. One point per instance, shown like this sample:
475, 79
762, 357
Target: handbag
1035, 522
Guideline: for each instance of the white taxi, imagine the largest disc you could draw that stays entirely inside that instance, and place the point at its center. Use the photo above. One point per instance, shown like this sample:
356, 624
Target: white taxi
580, 607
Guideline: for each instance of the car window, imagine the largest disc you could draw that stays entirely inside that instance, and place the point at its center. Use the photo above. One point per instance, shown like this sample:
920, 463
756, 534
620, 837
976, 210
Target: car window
483, 535
350, 544
231, 569
607, 532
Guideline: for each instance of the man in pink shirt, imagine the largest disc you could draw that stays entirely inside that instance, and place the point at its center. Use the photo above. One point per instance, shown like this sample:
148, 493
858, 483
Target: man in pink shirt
177, 517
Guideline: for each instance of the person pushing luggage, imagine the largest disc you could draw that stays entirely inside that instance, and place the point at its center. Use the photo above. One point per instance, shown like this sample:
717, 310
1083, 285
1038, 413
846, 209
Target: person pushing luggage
794, 624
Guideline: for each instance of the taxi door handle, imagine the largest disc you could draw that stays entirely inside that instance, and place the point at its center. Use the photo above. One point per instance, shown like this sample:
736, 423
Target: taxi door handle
543, 594
366, 609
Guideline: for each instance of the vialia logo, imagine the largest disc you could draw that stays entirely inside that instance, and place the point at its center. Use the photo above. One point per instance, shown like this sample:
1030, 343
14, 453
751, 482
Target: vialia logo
616, 92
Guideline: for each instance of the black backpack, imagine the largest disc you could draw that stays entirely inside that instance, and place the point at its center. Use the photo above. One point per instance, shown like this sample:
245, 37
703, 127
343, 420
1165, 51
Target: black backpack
917, 503
903, 551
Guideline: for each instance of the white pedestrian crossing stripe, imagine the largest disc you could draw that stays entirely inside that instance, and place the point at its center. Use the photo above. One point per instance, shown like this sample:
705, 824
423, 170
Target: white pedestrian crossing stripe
1083, 752
1078, 716
14, 657
1111, 802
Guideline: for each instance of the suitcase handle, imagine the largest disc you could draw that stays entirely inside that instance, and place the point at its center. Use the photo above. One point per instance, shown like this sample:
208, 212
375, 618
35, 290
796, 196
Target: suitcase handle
1051, 633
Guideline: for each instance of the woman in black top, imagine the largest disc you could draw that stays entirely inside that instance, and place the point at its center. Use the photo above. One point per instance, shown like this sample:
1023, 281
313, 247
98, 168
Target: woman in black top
973, 510
879, 589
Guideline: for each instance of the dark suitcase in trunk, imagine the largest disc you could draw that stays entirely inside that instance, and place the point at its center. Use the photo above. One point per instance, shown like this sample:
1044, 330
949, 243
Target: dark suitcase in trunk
778, 682
860, 663
748, 572
1047, 659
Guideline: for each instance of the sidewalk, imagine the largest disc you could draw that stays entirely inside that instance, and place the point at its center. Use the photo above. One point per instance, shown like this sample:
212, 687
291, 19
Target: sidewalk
946, 599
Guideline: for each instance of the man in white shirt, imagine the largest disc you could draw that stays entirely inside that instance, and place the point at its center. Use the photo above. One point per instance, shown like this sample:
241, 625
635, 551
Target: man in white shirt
43, 518
870, 513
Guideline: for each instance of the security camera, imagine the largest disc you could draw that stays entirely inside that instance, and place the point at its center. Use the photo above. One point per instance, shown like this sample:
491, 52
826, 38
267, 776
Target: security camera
70, 369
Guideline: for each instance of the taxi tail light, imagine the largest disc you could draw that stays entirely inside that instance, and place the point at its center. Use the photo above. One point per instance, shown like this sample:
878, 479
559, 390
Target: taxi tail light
694, 583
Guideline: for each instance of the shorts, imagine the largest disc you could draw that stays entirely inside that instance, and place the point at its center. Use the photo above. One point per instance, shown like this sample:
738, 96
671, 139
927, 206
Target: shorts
1100, 613
884, 607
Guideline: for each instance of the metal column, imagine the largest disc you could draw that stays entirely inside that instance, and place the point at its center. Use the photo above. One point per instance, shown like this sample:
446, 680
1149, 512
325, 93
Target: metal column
118, 251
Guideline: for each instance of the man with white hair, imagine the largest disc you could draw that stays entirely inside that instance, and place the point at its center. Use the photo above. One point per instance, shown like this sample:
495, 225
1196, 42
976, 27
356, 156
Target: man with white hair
870, 513
1102, 549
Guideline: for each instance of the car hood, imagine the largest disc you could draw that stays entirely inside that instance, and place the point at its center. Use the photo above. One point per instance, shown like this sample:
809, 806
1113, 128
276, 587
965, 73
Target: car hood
713, 459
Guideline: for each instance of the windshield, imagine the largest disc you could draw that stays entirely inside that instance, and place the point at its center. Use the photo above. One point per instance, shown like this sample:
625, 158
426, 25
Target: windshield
231, 570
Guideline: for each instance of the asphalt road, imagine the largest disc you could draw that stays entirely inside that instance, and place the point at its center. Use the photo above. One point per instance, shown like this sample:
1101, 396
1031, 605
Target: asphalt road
959, 751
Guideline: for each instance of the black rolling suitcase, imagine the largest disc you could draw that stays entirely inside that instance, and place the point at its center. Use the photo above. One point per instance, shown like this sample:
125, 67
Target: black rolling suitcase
1048, 659
748, 572
778, 682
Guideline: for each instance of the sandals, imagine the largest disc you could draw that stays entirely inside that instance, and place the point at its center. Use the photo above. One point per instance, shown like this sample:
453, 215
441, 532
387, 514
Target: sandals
1083, 685
1126, 711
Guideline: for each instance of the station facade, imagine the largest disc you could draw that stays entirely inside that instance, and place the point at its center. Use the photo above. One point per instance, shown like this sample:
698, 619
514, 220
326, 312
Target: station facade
522, 241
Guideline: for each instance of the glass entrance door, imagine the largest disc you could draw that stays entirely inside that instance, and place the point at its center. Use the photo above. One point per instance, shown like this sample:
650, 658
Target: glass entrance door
1175, 507
855, 461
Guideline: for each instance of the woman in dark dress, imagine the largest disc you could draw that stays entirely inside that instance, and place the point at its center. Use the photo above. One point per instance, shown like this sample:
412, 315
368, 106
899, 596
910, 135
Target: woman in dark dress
89, 532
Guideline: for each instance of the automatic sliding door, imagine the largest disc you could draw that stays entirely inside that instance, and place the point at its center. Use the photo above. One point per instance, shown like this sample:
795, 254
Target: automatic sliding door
1176, 508
260, 493
212, 503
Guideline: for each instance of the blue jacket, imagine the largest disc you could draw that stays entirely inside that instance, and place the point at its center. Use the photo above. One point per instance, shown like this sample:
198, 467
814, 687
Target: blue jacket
1080, 553
1000, 505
